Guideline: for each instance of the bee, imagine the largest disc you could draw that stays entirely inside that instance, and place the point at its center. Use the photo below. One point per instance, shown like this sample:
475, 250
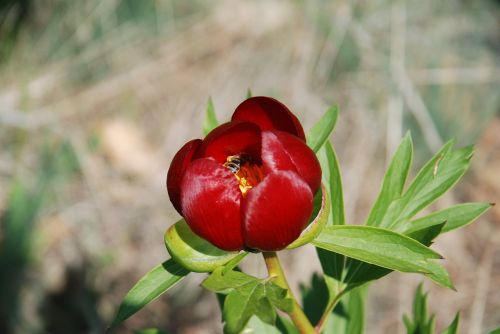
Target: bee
234, 163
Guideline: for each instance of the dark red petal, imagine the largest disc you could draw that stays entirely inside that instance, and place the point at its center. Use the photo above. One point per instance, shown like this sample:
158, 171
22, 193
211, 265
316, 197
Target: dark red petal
269, 114
276, 211
282, 151
178, 167
230, 139
210, 198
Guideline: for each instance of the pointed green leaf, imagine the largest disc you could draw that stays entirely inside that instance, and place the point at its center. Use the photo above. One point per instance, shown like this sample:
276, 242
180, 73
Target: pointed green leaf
210, 118
439, 275
377, 246
455, 217
394, 181
426, 235
320, 132
420, 323
434, 179
352, 321
332, 263
332, 178
222, 282
278, 297
149, 287
193, 252
244, 302
321, 213
453, 327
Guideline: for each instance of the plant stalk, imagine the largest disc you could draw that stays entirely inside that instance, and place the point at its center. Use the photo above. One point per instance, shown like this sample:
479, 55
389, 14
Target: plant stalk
297, 315
328, 310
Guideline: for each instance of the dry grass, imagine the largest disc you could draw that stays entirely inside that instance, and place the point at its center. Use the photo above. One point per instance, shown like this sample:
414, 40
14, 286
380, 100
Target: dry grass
127, 101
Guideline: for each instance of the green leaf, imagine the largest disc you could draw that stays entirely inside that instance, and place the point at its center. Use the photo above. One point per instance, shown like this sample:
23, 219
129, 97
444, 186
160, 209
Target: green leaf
222, 282
377, 246
278, 297
239, 285
149, 287
359, 272
321, 213
234, 262
453, 327
242, 303
495, 331
426, 235
420, 323
332, 178
193, 252
332, 263
257, 326
434, 179
320, 132
439, 275
150, 331
249, 93
315, 298
349, 315
394, 181
210, 118
455, 217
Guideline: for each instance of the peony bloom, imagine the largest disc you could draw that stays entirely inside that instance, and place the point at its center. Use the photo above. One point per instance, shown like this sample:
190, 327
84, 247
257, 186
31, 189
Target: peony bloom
250, 183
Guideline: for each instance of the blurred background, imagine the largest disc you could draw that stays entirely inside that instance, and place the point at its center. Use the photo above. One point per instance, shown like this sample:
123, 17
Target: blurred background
97, 96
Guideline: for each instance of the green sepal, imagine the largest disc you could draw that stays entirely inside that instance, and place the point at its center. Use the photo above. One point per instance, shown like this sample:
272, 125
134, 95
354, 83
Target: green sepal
321, 212
192, 252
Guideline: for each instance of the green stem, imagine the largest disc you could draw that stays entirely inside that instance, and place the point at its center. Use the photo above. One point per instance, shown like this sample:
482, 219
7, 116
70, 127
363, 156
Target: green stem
297, 315
328, 310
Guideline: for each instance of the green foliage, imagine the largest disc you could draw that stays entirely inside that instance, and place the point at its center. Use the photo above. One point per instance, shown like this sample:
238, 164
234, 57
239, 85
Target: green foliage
348, 316
247, 296
437, 176
453, 217
453, 327
332, 263
421, 322
395, 208
319, 218
210, 118
191, 251
350, 255
149, 287
150, 331
394, 181
321, 131
377, 246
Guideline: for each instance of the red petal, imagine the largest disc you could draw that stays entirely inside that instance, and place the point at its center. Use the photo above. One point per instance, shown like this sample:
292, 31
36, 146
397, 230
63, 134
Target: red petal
230, 139
276, 211
282, 151
210, 198
269, 114
181, 161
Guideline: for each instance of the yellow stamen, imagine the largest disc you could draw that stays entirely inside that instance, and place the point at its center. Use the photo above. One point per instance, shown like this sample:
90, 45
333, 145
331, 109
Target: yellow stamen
247, 173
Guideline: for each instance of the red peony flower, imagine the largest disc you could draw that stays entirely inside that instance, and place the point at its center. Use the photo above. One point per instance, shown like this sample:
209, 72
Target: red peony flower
250, 183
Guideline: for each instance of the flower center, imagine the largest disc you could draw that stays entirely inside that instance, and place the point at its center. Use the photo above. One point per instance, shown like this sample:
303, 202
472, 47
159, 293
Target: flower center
245, 170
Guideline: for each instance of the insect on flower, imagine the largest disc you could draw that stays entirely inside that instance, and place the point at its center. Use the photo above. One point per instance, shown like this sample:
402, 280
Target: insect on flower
250, 183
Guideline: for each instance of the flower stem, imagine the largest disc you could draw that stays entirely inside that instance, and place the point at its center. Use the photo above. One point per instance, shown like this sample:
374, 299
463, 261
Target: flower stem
328, 310
297, 315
